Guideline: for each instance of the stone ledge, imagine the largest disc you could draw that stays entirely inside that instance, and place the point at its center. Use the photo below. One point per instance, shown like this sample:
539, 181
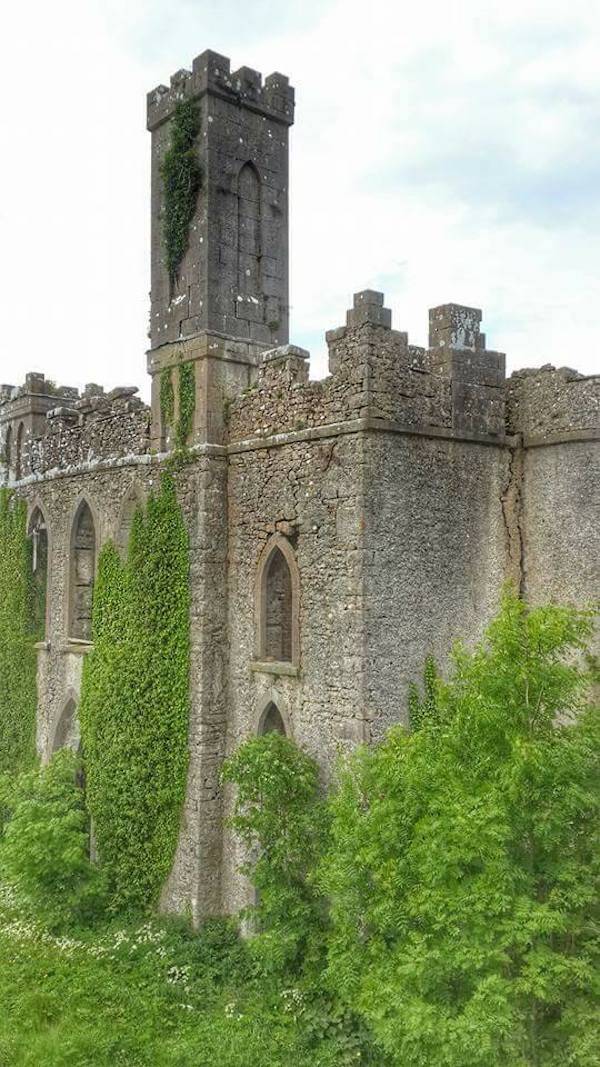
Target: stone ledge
74, 647
268, 667
369, 424
564, 437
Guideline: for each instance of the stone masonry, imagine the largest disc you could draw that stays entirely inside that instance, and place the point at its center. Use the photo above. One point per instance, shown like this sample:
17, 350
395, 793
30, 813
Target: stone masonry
340, 530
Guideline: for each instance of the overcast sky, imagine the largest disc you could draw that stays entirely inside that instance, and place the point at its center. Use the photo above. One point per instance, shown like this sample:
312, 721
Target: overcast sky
442, 152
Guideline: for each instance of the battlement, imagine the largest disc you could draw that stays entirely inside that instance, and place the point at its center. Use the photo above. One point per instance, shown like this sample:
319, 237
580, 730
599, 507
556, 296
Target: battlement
211, 73
45, 428
35, 385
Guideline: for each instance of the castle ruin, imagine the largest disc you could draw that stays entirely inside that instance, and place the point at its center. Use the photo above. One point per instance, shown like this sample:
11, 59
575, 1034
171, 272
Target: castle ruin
340, 530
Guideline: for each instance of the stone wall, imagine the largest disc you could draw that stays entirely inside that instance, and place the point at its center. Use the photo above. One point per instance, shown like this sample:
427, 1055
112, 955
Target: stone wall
548, 402
311, 494
435, 561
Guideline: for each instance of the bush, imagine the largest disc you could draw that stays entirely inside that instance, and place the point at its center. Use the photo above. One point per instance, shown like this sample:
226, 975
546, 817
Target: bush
45, 847
281, 818
464, 859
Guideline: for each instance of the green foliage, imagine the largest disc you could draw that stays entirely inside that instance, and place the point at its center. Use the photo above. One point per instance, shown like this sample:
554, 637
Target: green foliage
187, 403
155, 995
463, 872
181, 176
18, 634
280, 817
135, 702
45, 847
167, 397
421, 708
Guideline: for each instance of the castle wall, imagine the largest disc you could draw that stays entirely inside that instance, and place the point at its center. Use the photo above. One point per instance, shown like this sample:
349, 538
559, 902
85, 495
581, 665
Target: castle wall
60, 658
561, 524
436, 561
556, 414
310, 493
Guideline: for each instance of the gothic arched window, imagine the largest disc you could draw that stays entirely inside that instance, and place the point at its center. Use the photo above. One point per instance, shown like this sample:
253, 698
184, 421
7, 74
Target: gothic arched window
277, 604
249, 231
271, 721
130, 505
38, 533
278, 607
82, 570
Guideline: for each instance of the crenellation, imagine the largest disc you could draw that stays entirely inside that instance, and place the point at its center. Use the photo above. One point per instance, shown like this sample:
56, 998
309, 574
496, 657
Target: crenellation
211, 73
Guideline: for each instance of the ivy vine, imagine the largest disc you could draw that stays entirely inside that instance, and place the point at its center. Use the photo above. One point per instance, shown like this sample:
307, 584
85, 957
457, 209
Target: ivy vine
135, 702
187, 403
181, 177
167, 397
19, 631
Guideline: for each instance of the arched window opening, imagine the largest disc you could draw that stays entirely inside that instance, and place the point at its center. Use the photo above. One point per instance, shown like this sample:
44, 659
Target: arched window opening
249, 231
278, 609
67, 730
39, 566
83, 566
19, 453
277, 603
272, 722
8, 448
132, 502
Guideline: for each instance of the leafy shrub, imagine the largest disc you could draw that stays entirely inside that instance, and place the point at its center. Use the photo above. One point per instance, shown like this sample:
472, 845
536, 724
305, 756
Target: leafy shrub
464, 860
45, 846
280, 816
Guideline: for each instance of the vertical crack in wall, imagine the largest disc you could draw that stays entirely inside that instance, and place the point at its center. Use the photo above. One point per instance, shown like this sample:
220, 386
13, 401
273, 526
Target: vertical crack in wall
512, 513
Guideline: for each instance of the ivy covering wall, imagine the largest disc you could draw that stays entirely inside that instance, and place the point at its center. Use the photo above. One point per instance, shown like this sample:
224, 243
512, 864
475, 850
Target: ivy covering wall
167, 397
135, 702
186, 396
18, 634
181, 176
187, 403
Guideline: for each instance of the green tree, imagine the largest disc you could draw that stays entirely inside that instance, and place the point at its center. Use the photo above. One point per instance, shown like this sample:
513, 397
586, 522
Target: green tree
463, 869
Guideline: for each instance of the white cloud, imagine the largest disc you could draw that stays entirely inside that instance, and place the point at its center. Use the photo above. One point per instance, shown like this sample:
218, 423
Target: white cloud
441, 152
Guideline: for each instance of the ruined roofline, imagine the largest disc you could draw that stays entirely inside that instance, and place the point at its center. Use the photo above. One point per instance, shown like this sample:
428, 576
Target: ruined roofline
211, 73
455, 384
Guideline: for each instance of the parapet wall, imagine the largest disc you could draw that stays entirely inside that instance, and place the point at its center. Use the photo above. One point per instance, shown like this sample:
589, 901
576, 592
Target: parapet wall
545, 403
454, 385
58, 429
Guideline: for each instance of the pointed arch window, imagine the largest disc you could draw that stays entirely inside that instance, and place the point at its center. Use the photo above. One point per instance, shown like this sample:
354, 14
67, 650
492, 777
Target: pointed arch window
277, 597
82, 571
249, 231
131, 503
272, 721
38, 533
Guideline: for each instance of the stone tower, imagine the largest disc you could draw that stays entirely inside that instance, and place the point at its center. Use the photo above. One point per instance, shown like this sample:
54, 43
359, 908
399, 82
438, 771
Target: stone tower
229, 298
